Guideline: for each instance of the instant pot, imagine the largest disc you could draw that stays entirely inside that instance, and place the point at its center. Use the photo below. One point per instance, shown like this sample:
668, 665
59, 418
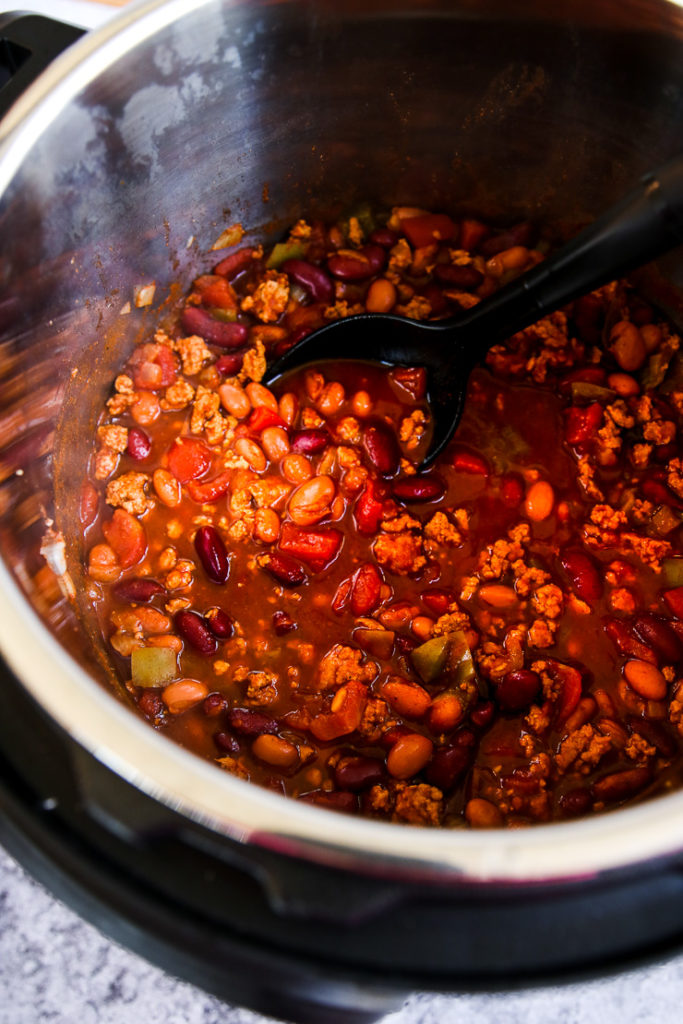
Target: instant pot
119, 167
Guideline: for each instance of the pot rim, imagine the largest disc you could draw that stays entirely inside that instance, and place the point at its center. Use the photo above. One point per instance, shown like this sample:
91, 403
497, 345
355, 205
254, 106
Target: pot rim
226, 805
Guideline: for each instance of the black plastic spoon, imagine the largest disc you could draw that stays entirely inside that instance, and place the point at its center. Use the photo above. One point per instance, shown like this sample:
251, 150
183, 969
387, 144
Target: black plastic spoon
646, 223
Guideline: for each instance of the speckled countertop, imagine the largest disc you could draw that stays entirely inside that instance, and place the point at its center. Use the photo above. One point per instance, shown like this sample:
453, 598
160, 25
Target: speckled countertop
55, 969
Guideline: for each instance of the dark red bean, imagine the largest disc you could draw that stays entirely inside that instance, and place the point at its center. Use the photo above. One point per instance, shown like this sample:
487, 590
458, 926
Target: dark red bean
310, 441
139, 444
583, 575
419, 488
224, 741
620, 785
193, 628
626, 642
376, 255
348, 266
655, 733
286, 570
283, 623
659, 635
466, 278
230, 363
390, 736
437, 599
384, 237
520, 234
139, 589
345, 802
220, 623
511, 490
447, 766
482, 714
314, 279
215, 704
521, 781
248, 722
356, 773
226, 335
406, 644
235, 262
212, 553
518, 689
575, 802
151, 704
381, 448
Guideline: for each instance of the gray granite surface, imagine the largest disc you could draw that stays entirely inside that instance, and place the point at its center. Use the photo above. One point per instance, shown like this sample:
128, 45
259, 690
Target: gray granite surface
55, 969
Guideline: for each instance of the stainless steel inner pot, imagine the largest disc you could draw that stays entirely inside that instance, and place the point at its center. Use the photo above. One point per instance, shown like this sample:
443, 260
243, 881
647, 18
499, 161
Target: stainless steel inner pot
122, 164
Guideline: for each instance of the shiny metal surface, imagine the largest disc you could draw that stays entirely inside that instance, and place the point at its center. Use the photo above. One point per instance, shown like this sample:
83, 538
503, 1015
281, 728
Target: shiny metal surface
120, 167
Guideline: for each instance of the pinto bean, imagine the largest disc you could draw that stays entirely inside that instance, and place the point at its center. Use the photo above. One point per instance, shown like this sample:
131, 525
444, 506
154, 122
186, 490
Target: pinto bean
311, 500
275, 750
182, 694
539, 502
482, 813
409, 755
646, 679
166, 488
260, 395
296, 469
235, 400
275, 443
252, 452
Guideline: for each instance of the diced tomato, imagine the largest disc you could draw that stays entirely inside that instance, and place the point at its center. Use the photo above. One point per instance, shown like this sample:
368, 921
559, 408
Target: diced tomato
656, 491
341, 597
623, 639
316, 548
366, 589
429, 228
209, 490
511, 489
674, 601
346, 714
582, 423
126, 535
468, 462
370, 508
188, 459
472, 234
153, 366
262, 417
412, 379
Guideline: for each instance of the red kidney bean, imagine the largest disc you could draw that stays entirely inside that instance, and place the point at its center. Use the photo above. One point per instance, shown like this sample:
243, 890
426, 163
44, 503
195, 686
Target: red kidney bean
575, 802
342, 801
215, 704
224, 741
381, 448
521, 781
139, 444
314, 279
198, 321
520, 234
482, 713
465, 278
447, 766
283, 623
235, 262
230, 364
151, 704
365, 589
623, 639
310, 441
419, 488
658, 634
248, 722
391, 735
583, 575
356, 773
406, 644
286, 570
193, 627
220, 623
139, 589
376, 256
384, 237
655, 733
619, 785
437, 600
212, 553
349, 266
518, 689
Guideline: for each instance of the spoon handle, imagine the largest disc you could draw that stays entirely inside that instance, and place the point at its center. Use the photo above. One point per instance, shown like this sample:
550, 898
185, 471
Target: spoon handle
644, 224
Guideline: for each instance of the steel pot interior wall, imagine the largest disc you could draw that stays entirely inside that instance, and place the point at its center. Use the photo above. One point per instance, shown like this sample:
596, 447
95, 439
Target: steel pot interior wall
261, 112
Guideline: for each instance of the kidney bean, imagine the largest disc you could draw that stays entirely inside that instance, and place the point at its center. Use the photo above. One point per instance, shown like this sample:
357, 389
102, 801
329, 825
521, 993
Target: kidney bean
482, 813
229, 365
655, 734
408, 699
583, 575
365, 589
312, 278
497, 595
437, 599
423, 487
193, 628
482, 713
518, 689
464, 278
311, 500
214, 705
445, 712
409, 755
447, 766
138, 589
225, 742
520, 234
220, 623
467, 462
248, 722
283, 623
345, 802
392, 735
646, 679
539, 502
575, 802
350, 265
212, 553
139, 444
381, 447
620, 785
226, 335
622, 637
384, 237
276, 751
358, 773
627, 346
285, 570
310, 441
658, 634
151, 704
182, 694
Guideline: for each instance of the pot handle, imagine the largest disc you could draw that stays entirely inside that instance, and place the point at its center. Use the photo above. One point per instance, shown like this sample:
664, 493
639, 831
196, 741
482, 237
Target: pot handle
28, 43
